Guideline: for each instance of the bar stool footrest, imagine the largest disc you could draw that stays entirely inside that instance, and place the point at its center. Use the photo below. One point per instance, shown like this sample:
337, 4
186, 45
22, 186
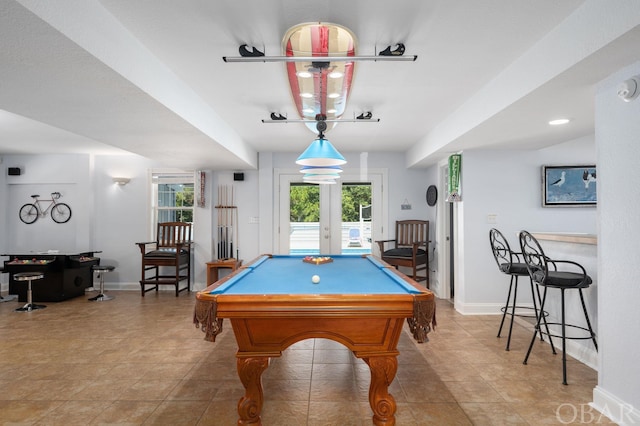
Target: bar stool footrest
522, 314
575, 327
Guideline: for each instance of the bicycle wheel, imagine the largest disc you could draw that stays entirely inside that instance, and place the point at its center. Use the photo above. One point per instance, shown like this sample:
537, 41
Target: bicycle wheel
61, 213
29, 213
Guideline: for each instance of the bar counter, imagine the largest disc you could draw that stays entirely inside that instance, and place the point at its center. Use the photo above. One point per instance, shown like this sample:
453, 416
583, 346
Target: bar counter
566, 237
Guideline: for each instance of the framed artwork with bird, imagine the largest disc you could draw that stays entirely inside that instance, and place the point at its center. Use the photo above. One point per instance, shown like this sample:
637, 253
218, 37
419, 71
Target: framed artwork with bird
569, 186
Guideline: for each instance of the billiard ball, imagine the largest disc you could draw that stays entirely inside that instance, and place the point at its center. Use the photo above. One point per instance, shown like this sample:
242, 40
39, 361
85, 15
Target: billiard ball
315, 279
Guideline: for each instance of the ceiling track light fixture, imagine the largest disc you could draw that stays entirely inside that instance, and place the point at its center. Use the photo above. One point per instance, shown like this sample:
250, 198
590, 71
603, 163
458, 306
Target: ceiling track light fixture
314, 59
365, 117
337, 120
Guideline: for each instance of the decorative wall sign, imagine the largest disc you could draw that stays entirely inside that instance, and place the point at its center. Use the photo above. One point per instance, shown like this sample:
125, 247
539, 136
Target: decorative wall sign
569, 186
455, 169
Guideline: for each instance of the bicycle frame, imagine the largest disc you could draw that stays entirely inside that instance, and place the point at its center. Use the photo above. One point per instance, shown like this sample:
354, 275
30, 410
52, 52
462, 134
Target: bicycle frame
60, 212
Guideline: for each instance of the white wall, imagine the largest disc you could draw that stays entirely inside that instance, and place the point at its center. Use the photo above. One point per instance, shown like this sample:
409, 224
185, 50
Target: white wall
111, 218
507, 184
43, 175
618, 147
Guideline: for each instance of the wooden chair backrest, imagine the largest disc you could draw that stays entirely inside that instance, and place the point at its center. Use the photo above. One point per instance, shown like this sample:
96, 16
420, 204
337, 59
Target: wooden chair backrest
172, 233
409, 232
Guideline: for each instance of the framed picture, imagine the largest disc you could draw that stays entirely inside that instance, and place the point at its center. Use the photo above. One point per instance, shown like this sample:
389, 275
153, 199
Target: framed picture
569, 186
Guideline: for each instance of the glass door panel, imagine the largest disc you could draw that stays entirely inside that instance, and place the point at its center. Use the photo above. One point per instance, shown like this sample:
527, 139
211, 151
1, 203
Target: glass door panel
355, 225
304, 218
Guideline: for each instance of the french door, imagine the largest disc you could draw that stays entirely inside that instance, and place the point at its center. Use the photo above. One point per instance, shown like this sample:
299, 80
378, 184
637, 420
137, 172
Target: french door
344, 218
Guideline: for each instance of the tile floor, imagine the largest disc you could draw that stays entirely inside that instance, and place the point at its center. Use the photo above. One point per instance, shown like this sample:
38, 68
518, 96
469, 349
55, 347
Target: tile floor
135, 360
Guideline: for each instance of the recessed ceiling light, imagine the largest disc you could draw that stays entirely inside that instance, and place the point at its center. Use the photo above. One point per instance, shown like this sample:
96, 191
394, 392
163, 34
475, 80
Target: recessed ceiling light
306, 95
331, 111
333, 95
559, 121
304, 74
335, 74
309, 110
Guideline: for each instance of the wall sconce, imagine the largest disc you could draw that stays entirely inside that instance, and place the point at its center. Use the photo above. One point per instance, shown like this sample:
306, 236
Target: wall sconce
121, 180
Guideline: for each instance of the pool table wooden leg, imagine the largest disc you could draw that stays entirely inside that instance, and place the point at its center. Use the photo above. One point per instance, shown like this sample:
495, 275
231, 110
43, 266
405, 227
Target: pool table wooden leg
250, 405
383, 370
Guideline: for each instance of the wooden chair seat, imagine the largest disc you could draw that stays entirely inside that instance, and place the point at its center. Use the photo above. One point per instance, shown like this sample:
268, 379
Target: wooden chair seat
410, 248
165, 253
401, 252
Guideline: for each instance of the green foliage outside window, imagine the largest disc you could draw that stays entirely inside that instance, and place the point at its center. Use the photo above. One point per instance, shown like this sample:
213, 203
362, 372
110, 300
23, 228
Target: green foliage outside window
305, 202
175, 202
353, 196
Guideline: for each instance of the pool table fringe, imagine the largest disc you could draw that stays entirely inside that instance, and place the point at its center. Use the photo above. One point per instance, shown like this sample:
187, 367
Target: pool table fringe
205, 318
424, 319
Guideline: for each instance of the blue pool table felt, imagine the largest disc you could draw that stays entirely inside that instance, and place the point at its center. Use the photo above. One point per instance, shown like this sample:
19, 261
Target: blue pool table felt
290, 275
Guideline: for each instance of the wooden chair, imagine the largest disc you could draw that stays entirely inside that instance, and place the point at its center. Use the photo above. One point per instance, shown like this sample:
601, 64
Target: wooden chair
410, 248
172, 252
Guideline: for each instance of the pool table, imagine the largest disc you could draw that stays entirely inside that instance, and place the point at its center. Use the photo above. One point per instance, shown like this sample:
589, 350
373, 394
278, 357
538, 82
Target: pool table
360, 301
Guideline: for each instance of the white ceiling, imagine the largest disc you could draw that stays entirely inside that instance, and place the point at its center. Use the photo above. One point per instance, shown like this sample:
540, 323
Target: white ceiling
147, 77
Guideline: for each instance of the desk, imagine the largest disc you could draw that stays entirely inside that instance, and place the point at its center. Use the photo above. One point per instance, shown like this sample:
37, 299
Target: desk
66, 275
360, 302
214, 265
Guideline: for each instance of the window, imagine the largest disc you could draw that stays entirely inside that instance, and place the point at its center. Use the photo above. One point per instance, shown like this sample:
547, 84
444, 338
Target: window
173, 197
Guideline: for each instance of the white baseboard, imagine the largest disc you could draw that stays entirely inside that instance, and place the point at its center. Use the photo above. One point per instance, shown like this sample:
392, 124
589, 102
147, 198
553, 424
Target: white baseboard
478, 308
614, 408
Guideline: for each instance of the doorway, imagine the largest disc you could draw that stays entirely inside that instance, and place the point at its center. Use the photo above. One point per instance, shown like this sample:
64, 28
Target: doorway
446, 234
343, 218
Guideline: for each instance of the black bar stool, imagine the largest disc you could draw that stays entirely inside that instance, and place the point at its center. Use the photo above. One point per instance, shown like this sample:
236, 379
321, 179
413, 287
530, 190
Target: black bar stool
101, 270
29, 276
538, 266
510, 263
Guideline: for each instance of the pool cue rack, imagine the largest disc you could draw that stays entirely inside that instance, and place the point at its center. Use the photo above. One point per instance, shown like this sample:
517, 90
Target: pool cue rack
227, 229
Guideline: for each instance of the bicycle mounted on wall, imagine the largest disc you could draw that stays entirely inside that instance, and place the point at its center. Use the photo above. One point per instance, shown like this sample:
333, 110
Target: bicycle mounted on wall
60, 212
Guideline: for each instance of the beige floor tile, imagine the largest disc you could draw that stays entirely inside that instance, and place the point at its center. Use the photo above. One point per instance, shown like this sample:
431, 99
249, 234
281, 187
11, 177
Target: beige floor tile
476, 391
492, 414
73, 413
137, 361
325, 413
194, 390
285, 413
450, 414
125, 413
286, 390
177, 413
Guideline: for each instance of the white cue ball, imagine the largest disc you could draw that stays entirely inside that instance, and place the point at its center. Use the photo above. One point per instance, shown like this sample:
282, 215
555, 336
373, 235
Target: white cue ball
315, 279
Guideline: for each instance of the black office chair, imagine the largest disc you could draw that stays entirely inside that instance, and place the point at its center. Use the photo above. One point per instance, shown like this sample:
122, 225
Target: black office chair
545, 276
510, 263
